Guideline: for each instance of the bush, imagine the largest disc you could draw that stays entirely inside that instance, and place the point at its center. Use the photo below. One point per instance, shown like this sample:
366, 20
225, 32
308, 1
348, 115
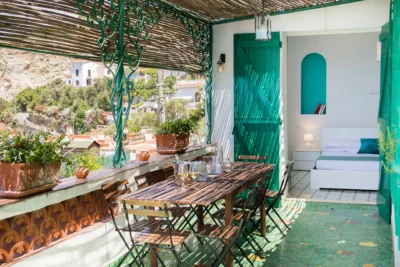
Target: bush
86, 159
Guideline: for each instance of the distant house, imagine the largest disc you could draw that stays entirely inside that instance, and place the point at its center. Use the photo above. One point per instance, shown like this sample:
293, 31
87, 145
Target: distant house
82, 146
83, 73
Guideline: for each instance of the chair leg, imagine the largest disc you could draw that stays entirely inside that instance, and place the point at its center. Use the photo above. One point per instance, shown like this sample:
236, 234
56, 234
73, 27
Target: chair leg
187, 248
124, 258
276, 224
176, 255
160, 260
249, 240
279, 216
209, 213
244, 254
258, 228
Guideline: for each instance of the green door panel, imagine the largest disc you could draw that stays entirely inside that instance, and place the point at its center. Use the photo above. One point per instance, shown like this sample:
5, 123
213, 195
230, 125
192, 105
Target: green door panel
257, 98
384, 195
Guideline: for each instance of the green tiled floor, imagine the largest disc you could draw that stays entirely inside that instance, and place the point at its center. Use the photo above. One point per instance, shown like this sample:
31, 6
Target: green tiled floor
339, 235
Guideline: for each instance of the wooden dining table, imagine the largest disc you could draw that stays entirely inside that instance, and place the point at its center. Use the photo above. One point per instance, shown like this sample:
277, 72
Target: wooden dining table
204, 193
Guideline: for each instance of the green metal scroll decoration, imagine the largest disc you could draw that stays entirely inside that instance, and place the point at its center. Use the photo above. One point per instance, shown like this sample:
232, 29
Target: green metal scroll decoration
125, 23
114, 22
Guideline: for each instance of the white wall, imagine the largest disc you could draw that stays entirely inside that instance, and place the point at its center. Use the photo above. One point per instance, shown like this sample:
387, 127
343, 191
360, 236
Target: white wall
353, 81
359, 16
95, 247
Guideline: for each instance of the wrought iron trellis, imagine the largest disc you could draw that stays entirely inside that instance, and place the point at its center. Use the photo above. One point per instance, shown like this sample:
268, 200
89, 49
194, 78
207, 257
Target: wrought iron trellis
124, 23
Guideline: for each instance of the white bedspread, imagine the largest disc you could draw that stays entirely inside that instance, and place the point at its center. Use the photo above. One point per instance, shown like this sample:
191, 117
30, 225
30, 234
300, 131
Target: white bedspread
349, 165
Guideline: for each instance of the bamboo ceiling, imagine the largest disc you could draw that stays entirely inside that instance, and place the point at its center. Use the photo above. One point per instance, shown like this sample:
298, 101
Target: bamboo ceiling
217, 10
55, 26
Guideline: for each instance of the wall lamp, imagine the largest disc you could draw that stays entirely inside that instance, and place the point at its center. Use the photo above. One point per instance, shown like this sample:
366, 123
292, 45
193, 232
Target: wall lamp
221, 63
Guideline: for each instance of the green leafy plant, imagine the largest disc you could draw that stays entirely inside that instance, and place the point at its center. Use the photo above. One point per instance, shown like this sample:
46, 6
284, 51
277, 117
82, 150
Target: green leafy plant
85, 159
31, 148
387, 146
178, 126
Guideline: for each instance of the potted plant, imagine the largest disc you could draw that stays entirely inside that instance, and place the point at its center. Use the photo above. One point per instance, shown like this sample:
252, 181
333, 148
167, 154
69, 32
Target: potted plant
173, 136
29, 163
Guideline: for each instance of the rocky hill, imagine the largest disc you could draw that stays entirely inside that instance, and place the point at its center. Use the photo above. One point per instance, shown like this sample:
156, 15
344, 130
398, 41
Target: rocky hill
20, 69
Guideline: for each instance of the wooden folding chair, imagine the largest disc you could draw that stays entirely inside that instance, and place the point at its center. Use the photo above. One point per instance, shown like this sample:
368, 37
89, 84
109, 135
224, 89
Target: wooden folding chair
143, 182
273, 196
241, 218
167, 238
111, 193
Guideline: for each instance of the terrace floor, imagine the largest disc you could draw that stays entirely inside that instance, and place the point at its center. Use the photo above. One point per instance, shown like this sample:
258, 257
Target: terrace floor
301, 188
322, 234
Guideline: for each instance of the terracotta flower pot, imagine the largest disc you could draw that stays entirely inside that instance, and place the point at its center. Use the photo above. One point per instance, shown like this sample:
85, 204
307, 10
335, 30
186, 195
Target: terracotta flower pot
143, 155
22, 179
81, 172
172, 143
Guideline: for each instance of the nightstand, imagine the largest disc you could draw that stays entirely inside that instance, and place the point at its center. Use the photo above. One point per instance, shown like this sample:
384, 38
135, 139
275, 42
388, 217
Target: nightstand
304, 160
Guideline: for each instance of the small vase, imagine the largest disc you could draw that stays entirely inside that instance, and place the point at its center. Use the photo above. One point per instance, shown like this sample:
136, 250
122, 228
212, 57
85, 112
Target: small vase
81, 172
143, 156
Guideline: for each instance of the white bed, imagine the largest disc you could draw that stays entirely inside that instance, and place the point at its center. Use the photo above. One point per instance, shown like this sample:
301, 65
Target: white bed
350, 165
357, 172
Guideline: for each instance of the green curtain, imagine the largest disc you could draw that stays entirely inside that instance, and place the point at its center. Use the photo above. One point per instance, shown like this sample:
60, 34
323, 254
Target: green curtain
395, 177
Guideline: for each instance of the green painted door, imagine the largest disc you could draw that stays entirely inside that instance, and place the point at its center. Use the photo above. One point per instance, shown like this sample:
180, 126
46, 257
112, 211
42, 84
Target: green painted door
384, 196
256, 99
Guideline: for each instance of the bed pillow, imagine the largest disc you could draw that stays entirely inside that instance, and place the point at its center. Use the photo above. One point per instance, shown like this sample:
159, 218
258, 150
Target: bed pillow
369, 146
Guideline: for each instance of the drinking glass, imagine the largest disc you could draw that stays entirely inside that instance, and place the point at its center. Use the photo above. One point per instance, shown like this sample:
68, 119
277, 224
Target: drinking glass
183, 171
194, 170
209, 164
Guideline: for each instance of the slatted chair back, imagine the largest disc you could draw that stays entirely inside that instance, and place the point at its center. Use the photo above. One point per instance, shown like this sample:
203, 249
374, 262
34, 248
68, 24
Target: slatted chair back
253, 158
141, 181
253, 201
285, 181
149, 211
150, 208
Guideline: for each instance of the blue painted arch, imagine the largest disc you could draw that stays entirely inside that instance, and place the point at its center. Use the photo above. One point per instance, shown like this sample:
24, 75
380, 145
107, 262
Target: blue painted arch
313, 82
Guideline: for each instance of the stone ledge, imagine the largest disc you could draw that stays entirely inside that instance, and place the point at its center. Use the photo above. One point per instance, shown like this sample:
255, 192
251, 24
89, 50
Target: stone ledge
72, 187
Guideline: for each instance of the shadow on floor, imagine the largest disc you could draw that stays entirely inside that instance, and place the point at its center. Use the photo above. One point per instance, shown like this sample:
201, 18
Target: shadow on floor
322, 234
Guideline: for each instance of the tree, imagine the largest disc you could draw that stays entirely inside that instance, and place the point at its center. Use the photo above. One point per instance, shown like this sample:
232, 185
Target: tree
176, 108
140, 84
151, 84
25, 97
152, 73
4, 104
169, 82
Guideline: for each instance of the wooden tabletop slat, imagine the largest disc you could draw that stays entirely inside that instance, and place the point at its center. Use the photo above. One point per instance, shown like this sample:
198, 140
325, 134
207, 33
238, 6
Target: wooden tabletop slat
204, 193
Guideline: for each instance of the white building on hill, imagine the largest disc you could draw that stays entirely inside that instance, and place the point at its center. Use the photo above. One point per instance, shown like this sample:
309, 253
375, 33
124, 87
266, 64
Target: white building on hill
83, 73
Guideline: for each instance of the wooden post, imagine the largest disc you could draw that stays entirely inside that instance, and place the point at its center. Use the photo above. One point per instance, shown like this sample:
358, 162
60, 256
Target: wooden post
200, 218
263, 219
229, 221
153, 257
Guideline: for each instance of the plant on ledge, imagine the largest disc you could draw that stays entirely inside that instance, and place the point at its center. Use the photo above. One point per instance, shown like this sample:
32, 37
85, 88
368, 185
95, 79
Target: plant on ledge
173, 136
29, 163
387, 147
80, 164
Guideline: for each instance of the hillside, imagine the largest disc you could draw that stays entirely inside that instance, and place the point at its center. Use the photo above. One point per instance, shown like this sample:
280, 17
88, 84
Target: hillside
20, 69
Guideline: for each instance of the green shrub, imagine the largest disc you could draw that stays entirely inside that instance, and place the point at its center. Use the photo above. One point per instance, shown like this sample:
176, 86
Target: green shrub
86, 159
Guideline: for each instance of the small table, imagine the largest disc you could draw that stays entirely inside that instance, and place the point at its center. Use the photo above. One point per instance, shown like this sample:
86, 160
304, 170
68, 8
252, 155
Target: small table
225, 186
304, 160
